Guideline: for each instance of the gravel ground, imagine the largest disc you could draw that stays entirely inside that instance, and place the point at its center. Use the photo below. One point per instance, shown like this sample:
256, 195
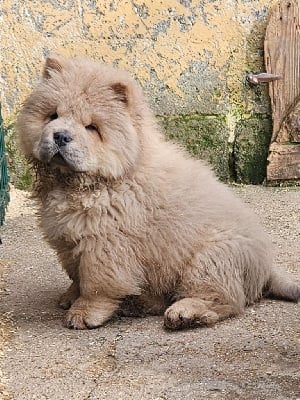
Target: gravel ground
253, 357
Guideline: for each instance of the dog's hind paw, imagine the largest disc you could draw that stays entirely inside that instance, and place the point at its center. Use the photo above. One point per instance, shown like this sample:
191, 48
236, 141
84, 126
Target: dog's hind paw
189, 313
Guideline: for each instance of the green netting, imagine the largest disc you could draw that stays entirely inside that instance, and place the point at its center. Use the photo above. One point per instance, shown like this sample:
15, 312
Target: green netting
4, 178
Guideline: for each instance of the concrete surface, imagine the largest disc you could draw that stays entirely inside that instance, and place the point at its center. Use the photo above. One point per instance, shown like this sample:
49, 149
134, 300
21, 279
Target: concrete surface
253, 357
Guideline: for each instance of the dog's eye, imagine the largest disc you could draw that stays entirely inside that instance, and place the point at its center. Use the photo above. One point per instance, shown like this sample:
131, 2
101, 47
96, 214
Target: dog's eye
53, 116
92, 127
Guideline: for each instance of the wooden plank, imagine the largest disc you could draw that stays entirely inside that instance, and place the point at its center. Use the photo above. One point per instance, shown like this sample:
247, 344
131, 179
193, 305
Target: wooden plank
283, 162
282, 55
290, 127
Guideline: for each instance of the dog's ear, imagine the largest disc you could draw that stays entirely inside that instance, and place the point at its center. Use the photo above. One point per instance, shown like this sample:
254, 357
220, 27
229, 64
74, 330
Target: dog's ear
54, 63
121, 91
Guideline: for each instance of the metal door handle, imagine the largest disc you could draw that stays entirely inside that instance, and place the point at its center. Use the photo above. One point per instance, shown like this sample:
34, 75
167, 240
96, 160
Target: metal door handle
263, 77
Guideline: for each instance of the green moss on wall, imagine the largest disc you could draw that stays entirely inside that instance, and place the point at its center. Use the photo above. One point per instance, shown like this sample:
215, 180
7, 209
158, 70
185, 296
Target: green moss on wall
19, 171
204, 136
243, 158
252, 139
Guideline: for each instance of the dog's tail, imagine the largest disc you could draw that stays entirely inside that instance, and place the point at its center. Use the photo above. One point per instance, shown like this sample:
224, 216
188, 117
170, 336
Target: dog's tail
281, 287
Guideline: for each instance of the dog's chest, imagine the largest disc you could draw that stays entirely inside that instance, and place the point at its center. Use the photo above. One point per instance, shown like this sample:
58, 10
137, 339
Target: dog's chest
69, 217
72, 217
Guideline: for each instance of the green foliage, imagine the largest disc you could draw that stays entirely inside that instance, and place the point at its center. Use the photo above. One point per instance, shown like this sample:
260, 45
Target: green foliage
20, 173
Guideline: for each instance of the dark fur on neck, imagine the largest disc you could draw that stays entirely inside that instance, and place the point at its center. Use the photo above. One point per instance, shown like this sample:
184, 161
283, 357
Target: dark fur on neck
47, 178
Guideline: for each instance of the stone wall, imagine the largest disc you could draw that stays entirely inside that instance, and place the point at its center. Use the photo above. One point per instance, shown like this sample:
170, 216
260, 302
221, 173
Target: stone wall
191, 58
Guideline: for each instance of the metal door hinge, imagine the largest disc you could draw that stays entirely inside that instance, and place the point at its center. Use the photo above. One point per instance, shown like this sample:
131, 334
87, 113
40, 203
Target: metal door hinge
263, 77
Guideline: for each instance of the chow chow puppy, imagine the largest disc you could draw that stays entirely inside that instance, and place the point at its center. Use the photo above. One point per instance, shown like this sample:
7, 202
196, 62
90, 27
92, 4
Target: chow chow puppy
132, 216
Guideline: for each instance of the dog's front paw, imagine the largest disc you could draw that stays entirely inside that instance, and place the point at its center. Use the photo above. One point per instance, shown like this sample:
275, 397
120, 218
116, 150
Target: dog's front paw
90, 314
77, 320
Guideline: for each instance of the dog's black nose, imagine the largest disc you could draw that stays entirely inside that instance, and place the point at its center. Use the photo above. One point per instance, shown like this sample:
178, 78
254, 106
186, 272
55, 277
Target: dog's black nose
62, 138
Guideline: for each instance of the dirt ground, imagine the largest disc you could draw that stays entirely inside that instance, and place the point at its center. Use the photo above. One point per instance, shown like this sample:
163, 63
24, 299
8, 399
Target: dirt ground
253, 357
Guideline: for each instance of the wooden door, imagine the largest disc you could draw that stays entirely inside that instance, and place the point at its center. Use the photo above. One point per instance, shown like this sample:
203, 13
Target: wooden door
282, 57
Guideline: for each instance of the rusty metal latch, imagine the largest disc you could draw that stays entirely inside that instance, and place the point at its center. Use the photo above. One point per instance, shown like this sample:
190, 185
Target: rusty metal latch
263, 77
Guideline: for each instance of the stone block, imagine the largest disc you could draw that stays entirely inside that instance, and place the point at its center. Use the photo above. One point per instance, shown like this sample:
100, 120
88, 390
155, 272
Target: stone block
250, 152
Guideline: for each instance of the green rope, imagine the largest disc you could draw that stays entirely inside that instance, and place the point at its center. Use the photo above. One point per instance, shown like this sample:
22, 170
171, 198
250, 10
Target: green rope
4, 177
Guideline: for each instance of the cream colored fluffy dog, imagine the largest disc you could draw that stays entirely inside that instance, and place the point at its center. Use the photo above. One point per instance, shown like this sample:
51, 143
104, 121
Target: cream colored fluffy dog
132, 216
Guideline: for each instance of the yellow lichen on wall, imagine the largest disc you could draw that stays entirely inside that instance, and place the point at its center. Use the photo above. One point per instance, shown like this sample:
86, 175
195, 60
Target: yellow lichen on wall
158, 41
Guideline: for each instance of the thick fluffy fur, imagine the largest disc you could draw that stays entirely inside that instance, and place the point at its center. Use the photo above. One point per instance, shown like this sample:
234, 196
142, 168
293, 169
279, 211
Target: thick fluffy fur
132, 215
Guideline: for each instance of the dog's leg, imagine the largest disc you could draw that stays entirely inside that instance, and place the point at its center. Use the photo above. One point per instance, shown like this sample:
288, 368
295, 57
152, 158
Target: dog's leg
102, 284
70, 265
193, 311
70, 296
92, 308
220, 281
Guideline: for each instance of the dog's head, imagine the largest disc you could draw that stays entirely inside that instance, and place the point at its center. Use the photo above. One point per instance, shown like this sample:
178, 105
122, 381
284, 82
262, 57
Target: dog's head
83, 117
